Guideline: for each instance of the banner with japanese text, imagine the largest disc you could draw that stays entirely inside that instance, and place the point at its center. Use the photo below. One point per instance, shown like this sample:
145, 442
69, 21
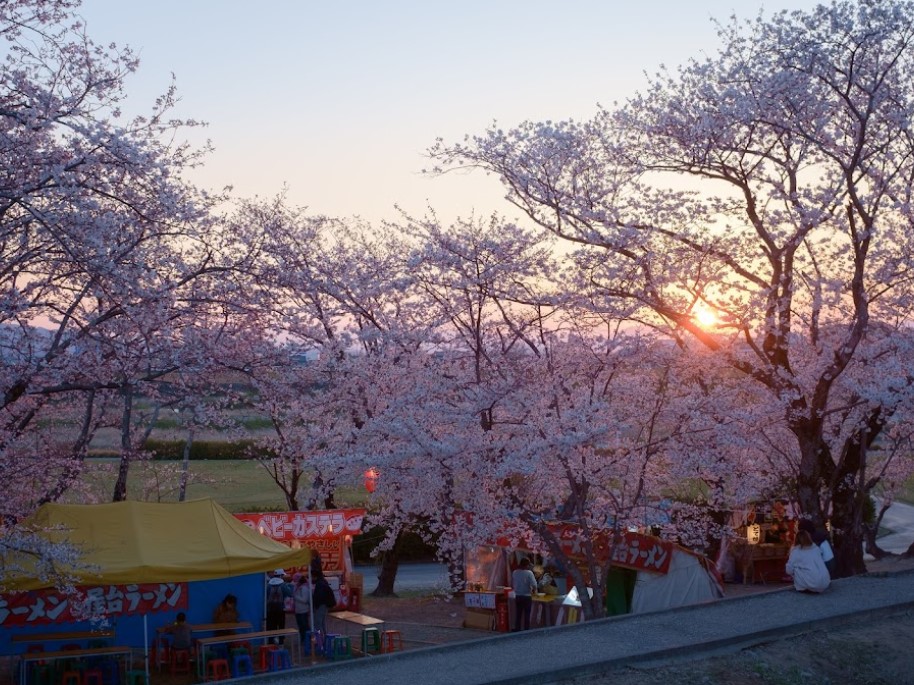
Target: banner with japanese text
286, 526
323, 532
39, 607
630, 550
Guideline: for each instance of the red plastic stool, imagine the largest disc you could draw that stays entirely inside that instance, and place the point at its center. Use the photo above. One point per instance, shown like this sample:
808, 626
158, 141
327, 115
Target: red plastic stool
93, 676
71, 678
218, 669
179, 661
391, 641
263, 656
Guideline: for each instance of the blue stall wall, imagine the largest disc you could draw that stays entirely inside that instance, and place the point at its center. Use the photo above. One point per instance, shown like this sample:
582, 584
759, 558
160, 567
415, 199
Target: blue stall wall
203, 596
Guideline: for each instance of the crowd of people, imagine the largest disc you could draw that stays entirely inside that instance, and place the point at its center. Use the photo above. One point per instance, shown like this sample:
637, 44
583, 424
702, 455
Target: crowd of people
308, 595
302, 594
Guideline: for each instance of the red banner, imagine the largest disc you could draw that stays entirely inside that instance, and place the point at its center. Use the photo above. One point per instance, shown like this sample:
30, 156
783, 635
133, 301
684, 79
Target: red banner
643, 553
634, 550
38, 607
309, 526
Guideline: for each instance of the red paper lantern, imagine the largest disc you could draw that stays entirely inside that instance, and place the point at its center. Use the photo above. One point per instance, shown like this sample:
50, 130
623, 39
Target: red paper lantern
371, 479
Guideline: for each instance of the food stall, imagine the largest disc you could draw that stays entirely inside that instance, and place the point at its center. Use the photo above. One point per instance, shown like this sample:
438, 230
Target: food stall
646, 574
328, 533
764, 536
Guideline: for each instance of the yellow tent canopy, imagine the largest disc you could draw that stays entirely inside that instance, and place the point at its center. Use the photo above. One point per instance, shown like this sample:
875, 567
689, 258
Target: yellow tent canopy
146, 542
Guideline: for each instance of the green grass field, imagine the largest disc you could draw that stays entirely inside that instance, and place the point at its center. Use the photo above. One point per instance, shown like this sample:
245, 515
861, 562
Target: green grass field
238, 486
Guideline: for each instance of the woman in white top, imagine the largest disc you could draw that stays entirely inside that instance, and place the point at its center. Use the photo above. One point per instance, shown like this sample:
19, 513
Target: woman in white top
807, 566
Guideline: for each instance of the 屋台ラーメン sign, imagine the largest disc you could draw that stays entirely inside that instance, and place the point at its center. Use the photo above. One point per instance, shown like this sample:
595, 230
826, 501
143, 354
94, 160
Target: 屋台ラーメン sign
39, 607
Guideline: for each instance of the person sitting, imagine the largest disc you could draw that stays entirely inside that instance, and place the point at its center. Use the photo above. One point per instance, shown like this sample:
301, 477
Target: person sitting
806, 566
545, 582
820, 539
180, 631
226, 612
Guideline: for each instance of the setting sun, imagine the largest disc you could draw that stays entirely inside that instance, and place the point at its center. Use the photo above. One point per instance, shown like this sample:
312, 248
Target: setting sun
704, 317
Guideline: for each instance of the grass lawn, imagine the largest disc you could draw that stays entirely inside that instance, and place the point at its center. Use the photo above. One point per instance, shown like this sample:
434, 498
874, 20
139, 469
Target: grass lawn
237, 485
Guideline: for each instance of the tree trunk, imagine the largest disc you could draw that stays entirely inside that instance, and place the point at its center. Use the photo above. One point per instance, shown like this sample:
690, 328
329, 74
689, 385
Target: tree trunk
387, 576
185, 465
818, 473
120, 486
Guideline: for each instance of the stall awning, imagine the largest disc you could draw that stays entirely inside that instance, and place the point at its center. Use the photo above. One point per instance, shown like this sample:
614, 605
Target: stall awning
146, 542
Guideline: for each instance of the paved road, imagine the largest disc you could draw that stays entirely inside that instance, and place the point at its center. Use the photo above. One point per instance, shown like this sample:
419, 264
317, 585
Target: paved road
410, 577
900, 520
552, 654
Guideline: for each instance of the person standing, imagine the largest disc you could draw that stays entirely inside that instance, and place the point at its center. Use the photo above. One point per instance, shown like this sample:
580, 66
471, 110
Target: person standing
276, 617
322, 599
302, 598
524, 583
806, 565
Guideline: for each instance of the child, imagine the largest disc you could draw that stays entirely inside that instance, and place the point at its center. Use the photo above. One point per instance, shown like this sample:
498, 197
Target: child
181, 636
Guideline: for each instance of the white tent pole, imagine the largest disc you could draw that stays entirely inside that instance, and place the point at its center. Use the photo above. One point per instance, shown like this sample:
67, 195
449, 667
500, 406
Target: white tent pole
146, 644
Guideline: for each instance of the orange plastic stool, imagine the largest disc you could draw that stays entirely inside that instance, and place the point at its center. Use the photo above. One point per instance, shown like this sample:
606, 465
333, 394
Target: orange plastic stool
391, 641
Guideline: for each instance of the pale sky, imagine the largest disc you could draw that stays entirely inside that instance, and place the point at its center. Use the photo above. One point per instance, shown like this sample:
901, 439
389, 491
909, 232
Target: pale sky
340, 100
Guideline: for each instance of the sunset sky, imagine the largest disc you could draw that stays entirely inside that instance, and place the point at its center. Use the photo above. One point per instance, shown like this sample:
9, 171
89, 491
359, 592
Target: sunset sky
340, 100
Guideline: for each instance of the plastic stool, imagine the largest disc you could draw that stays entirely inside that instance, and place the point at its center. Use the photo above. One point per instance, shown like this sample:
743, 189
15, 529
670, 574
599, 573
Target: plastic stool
327, 645
371, 641
280, 660
391, 641
136, 677
342, 648
241, 644
263, 656
93, 676
39, 674
71, 678
217, 669
111, 671
242, 664
179, 662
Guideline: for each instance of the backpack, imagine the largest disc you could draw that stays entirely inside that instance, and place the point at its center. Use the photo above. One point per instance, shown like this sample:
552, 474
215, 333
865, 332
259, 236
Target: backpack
323, 595
274, 594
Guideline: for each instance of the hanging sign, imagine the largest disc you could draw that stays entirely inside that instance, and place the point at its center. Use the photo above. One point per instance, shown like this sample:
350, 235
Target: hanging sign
40, 607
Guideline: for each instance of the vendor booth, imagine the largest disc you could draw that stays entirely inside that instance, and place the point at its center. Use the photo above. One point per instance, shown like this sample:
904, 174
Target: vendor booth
759, 550
328, 534
138, 565
647, 574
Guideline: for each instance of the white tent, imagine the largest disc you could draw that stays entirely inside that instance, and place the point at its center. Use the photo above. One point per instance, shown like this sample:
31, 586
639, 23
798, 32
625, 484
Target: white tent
689, 580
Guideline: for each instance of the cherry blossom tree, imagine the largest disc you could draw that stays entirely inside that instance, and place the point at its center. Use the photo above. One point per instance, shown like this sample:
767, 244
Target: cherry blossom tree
107, 254
770, 185
524, 408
